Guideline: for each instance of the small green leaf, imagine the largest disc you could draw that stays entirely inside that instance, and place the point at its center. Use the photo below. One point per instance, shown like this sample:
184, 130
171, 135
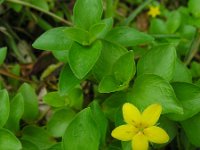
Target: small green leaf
124, 68
109, 55
31, 110
61, 55
3, 52
87, 13
99, 30
127, 36
122, 72
40, 3
55, 99
194, 6
75, 98
16, 71
189, 96
79, 35
57, 146
149, 89
16, 112
160, 60
59, 122
38, 136
180, 68
173, 21
54, 40
83, 58
82, 130
109, 84
113, 103
157, 26
67, 80
100, 119
192, 129
4, 107
8, 141
1, 1
96, 31
27, 145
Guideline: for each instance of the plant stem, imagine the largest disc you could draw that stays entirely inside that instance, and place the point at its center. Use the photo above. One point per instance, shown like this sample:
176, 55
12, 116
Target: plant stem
193, 49
132, 16
41, 10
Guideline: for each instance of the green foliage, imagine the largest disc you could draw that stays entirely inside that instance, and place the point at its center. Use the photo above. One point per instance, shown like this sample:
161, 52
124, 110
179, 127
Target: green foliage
30, 102
83, 129
4, 107
3, 52
103, 55
8, 140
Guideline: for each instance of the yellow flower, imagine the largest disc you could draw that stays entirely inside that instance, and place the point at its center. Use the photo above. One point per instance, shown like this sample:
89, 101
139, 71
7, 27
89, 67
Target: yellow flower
140, 127
154, 11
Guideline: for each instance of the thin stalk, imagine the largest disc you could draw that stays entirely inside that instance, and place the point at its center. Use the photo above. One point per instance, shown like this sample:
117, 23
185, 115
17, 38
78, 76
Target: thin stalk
41, 10
193, 49
132, 16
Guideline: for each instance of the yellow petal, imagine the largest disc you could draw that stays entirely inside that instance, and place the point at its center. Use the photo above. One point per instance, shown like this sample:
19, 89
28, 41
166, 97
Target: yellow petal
140, 142
124, 132
151, 114
156, 135
131, 114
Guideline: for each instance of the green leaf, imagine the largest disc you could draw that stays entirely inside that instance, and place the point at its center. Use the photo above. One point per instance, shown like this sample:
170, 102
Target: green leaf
55, 99
109, 55
100, 119
113, 103
38, 136
100, 29
16, 112
96, 30
122, 72
27, 145
54, 40
57, 146
124, 68
157, 26
194, 6
59, 122
67, 80
109, 84
87, 12
3, 52
79, 35
192, 129
189, 96
173, 21
127, 36
31, 110
40, 3
16, 71
4, 107
149, 89
83, 58
62, 56
160, 60
15, 7
1, 1
180, 68
195, 69
75, 98
8, 141
82, 133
